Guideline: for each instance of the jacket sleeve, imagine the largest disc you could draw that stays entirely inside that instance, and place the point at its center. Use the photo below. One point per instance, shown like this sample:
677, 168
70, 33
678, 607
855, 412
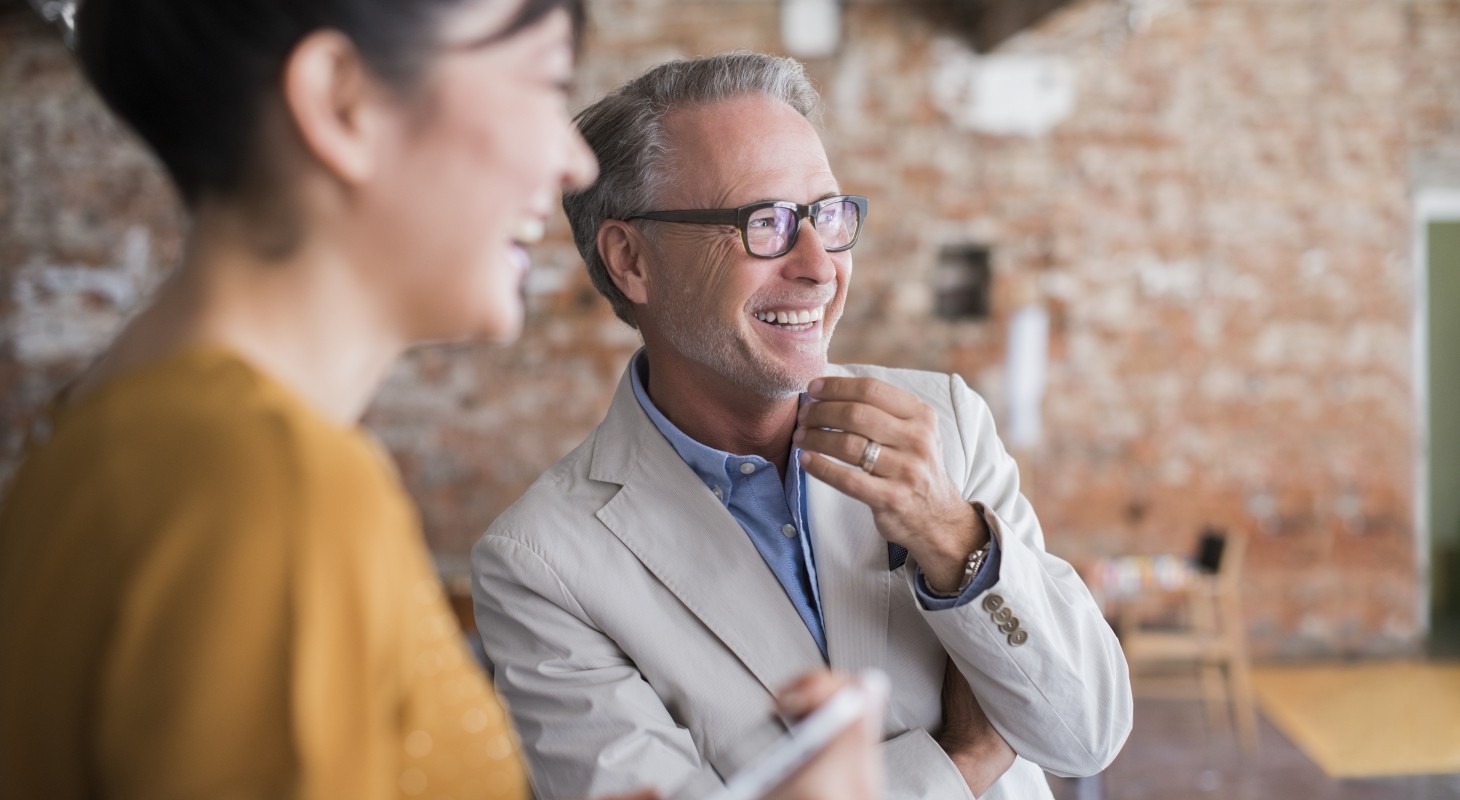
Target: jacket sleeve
589, 723
1044, 664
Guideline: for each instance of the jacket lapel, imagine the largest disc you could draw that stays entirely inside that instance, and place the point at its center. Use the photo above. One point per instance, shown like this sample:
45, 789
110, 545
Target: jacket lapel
851, 573
851, 557
680, 532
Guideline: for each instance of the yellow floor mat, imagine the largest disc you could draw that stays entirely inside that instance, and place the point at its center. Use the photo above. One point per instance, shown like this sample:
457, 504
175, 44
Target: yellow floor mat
1368, 719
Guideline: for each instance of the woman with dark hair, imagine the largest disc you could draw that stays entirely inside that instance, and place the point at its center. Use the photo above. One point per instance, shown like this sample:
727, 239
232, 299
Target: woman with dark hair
211, 581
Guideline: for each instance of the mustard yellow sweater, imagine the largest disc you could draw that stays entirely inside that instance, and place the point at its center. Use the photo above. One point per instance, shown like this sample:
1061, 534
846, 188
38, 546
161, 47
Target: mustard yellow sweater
208, 590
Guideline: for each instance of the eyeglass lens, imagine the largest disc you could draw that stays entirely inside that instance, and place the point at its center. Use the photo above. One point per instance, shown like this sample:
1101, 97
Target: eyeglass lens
771, 231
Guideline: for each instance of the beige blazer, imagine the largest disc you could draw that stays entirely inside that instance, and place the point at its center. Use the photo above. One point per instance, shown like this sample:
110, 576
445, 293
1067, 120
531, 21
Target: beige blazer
637, 635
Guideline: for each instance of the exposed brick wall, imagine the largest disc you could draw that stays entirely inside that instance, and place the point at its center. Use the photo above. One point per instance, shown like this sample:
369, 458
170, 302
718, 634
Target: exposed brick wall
1220, 230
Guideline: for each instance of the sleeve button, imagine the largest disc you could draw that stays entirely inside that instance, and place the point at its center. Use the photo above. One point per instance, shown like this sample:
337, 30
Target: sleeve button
993, 603
1018, 637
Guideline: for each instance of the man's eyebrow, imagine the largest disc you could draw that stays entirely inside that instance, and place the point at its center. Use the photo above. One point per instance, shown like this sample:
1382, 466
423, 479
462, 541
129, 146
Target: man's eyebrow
828, 195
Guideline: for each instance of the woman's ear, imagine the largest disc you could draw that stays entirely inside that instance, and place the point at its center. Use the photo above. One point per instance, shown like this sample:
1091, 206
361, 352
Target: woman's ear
622, 248
336, 105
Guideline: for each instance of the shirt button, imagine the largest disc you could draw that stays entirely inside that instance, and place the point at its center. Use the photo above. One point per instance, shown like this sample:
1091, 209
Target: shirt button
720, 493
788, 530
747, 468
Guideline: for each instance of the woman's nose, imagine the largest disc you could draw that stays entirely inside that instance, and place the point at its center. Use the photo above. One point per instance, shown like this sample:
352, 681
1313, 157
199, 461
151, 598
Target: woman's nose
582, 165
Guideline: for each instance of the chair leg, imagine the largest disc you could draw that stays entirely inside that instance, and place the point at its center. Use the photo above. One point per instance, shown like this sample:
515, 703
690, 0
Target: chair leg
1244, 705
1239, 670
1215, 694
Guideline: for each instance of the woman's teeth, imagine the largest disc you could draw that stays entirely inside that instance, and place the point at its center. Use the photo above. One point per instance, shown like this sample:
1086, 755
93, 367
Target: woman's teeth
529, 231
791, 318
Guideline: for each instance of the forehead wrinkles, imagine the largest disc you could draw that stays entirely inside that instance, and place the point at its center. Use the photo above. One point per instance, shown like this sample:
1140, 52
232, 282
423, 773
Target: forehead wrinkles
748, 187
741, 150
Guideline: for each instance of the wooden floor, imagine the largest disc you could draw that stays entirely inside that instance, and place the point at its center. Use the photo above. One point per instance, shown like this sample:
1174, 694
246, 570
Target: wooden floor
1368, 719
1171, 756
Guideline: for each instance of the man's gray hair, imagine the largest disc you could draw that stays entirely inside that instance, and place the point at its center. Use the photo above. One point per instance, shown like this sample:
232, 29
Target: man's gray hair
626, 131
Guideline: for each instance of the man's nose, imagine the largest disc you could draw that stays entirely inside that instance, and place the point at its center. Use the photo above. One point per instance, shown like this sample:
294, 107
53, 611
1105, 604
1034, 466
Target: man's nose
808, 259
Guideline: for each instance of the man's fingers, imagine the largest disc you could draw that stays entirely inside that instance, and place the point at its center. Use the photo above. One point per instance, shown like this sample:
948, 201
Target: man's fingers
870, 391
848, 448
869, 421
850, 481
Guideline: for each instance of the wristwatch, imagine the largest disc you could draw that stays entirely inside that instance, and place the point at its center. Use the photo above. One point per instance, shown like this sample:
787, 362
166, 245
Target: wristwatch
974, 562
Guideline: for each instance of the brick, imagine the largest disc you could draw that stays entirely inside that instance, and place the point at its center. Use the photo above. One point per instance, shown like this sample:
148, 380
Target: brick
1220, 230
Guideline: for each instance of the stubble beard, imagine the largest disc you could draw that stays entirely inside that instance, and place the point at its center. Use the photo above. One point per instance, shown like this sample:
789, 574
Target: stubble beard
718, 345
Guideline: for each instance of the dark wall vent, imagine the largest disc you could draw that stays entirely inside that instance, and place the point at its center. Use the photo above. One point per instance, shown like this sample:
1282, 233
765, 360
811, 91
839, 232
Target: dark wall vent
962, 282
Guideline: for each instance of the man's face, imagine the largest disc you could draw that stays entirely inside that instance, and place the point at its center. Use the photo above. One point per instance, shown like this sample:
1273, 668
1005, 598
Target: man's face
761, 325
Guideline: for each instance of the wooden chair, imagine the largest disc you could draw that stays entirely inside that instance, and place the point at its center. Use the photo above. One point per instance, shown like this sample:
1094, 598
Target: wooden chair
1207, 635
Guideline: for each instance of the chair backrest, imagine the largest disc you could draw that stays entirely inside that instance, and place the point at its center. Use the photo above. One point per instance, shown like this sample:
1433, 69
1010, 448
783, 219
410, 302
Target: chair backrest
1209, 550
1220, 554
1230, 575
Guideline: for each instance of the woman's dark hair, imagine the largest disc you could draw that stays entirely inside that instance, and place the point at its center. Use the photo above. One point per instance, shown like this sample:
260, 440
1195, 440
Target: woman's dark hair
191, 76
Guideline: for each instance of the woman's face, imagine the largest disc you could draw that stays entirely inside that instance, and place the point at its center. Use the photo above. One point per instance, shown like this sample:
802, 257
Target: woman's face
478, 165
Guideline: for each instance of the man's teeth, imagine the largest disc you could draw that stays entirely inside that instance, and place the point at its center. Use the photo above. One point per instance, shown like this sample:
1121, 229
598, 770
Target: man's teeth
799, 317
529, 231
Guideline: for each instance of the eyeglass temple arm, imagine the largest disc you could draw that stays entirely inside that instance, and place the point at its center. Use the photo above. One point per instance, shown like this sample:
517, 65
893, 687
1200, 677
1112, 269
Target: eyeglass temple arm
706, 216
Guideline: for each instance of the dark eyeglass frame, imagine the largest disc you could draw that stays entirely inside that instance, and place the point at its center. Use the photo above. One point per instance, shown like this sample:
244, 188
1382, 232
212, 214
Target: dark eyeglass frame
740, 218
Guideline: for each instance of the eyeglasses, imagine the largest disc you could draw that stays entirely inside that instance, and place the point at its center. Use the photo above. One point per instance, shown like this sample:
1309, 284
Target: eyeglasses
769, 229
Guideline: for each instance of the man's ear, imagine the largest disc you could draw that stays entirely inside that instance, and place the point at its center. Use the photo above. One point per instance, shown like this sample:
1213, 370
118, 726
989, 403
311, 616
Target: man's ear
622, 248
336, 105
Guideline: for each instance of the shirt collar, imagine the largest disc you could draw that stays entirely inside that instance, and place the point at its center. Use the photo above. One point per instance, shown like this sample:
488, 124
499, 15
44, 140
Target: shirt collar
718, 469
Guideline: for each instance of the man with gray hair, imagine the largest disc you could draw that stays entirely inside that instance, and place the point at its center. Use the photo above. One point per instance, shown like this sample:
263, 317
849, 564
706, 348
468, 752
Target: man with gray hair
747, 511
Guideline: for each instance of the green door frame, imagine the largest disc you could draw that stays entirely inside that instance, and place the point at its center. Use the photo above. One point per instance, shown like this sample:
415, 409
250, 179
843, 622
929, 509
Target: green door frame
1430, 205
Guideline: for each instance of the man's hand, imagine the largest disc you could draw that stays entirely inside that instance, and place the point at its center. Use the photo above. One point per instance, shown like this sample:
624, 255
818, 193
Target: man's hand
971, 742
913, 502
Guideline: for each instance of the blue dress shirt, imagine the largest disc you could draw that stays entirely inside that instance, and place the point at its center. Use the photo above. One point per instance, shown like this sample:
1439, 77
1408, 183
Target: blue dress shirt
772, 512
